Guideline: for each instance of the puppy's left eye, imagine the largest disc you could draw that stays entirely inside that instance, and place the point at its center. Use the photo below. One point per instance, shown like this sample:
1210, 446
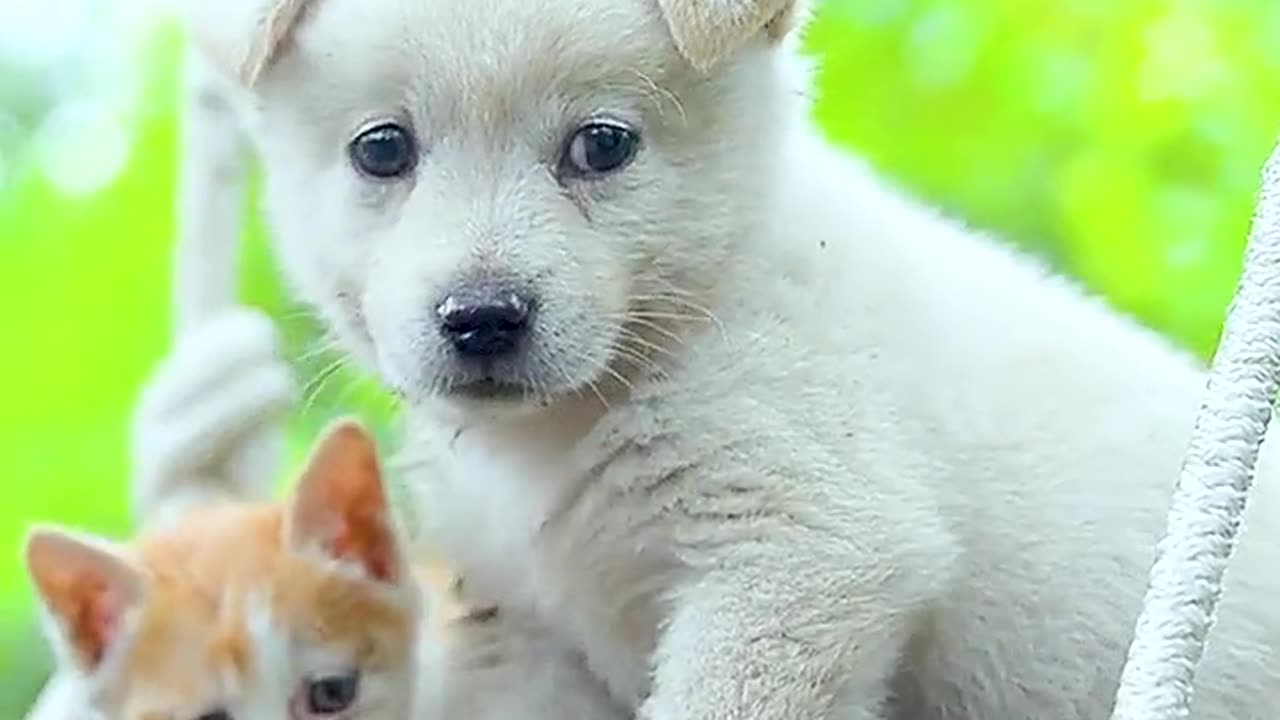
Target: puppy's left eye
384, 151
599, 148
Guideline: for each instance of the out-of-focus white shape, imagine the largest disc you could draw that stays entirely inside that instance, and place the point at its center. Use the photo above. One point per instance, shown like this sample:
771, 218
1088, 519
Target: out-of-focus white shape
62, 698
1182, 59
82, 147
42, 33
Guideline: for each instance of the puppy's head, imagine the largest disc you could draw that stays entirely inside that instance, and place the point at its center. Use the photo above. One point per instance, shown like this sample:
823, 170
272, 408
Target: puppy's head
506, 201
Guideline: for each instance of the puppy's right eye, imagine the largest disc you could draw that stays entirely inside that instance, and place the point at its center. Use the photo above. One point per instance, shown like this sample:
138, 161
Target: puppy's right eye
384, 151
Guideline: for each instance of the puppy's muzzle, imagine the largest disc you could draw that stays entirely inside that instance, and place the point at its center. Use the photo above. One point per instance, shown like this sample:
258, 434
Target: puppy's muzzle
485, 321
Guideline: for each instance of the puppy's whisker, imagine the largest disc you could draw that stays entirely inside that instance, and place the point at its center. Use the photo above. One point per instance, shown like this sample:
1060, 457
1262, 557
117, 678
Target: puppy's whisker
323, 374
638, 362
592, 384
681, 297
680, 301
322, 348
641, 346
317, 385
631, 338
622, 379
700, 309
594, 387
649, 325
669, 289
559, 369
641, 349
658, 315
298, 313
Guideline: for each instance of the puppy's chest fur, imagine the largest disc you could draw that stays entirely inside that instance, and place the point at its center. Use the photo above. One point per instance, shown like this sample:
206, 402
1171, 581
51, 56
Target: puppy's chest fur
594, 539
569, 548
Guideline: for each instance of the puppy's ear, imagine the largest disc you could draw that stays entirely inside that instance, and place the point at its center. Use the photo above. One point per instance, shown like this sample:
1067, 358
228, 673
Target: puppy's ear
241, 38
89, 590
707, 31
340, 507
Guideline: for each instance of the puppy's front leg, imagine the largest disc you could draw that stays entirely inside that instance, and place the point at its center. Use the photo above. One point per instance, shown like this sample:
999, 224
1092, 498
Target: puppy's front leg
797, 623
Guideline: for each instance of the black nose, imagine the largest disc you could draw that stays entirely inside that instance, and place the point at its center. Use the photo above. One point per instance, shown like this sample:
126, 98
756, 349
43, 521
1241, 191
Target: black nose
484, 323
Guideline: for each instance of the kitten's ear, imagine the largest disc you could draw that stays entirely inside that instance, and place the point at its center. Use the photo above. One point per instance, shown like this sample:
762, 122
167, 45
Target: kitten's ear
708, 31
89, 590
340, 505
241, 38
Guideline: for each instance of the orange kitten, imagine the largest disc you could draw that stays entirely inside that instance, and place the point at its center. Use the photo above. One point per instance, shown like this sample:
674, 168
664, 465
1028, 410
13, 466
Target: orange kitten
303, 609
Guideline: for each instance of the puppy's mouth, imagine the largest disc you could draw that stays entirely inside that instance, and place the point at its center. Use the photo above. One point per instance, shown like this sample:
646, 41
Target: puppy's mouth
491, 390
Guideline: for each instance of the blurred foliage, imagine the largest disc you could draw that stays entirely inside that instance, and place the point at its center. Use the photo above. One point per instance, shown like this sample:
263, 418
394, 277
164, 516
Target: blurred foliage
1119, 140
1122, 140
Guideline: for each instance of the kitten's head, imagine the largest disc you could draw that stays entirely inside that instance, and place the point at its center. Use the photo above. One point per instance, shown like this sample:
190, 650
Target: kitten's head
301, 610
503, 202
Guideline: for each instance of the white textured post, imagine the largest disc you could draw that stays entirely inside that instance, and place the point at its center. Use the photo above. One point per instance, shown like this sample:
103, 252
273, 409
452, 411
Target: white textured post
1208, 504
211, 194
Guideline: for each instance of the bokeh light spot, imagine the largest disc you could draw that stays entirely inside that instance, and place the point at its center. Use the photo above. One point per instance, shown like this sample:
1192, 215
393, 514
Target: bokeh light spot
82, 147
1182, 60
942, 47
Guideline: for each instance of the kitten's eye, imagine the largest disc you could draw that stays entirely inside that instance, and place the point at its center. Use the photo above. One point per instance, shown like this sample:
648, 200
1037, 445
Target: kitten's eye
215, 715
332, 694
384, 151
599, 148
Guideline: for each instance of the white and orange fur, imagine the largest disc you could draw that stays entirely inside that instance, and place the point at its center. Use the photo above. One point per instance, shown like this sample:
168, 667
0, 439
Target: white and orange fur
244, 608
238, 609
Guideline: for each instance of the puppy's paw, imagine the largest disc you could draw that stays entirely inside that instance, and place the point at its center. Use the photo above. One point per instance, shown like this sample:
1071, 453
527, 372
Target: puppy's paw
209, 421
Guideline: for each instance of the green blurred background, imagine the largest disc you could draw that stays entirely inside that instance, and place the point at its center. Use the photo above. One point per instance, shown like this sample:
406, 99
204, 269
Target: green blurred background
1119, 139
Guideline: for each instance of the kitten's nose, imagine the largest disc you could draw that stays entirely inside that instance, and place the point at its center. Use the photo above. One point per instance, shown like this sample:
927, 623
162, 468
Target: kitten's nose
484, 321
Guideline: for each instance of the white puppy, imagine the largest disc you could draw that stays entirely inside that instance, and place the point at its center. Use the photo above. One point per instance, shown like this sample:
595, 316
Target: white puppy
759, 436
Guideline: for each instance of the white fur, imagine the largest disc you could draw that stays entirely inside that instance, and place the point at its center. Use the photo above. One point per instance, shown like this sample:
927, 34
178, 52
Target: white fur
497, 665
209, 423
880, 468
61, 698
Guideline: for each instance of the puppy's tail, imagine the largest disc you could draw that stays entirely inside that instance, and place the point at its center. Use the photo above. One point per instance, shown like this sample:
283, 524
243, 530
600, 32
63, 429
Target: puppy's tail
213, 165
